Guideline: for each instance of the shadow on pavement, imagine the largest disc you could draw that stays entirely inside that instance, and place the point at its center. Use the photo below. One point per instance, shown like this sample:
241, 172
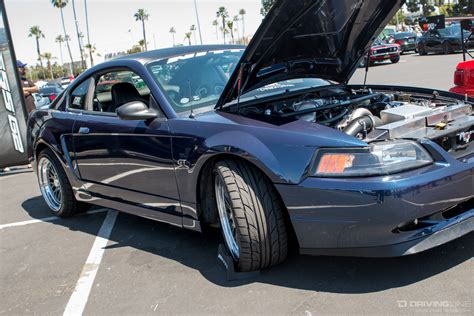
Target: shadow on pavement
323, 274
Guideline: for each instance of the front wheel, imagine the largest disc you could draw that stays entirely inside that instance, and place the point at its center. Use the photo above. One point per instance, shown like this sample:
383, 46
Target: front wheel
251, 216
395, 60
55, 187
447, 49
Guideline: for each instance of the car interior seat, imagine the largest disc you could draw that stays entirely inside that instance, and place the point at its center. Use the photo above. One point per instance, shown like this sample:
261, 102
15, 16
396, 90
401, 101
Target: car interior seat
124, 92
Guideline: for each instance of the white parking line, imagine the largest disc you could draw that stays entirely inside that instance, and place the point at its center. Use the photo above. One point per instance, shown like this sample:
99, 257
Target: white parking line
45, 219
79, 297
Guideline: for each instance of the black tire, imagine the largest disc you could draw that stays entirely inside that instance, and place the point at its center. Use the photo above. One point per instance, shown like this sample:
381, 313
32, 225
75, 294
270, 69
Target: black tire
395, 60
260, 230
422, 50
447, 49
69, 206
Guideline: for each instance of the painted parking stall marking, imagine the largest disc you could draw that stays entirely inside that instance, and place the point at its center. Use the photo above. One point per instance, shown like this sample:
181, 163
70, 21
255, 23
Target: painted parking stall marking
45, 219
79, 297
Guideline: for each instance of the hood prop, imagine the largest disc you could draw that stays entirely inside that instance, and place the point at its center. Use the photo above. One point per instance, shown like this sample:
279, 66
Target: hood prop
367, 63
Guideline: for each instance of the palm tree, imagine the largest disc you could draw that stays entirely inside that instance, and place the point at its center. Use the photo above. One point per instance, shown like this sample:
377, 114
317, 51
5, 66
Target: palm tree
222, 14
142, 15
60, 40
91, 49
48, 58
60, 4
242, 12
87, 30
188, 35
193, 30
142, 44
216, 24
230, 25
37, 34
173, 31
79, 42
199, 24
236, 21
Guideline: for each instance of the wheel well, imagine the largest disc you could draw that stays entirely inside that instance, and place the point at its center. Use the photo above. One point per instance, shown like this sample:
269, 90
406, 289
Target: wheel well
206, 208
207, 211
39, 149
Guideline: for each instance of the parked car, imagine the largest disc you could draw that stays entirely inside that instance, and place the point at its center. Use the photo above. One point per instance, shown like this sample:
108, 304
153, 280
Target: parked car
66, 81
464, 78
381, 51
406, 41
446, 41
41, 102
266, 141
50, 92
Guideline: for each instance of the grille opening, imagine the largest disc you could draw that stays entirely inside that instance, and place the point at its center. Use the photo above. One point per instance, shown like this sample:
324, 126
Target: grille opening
436, 218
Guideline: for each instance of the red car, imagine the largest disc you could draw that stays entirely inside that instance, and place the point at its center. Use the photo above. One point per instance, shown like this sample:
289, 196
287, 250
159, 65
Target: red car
464, 78
381, 51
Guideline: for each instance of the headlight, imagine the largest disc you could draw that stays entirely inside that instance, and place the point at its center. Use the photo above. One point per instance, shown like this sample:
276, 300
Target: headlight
378, 159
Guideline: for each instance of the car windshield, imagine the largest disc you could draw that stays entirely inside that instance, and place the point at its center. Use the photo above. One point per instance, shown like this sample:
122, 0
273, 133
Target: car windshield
196, 81
453, 30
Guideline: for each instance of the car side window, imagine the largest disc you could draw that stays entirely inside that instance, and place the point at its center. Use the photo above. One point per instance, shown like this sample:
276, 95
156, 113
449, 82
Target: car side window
115, 88
79, 96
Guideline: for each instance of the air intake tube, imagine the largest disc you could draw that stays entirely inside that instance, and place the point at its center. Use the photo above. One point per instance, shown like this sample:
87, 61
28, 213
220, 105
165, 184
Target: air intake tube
361, 125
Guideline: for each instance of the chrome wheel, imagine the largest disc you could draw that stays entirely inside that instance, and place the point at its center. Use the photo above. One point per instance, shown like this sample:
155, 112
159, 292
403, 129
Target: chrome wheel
50, 185
228, 224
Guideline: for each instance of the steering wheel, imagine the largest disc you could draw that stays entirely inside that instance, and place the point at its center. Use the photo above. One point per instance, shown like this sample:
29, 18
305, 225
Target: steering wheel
203, 91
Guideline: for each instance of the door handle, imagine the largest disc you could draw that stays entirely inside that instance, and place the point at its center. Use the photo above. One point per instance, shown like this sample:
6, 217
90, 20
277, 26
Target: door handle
84, 130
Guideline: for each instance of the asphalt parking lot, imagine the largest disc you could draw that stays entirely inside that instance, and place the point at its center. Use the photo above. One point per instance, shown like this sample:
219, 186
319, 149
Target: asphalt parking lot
145, 267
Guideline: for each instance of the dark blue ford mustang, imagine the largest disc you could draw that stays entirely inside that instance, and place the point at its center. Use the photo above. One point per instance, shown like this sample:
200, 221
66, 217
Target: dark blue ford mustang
265, 141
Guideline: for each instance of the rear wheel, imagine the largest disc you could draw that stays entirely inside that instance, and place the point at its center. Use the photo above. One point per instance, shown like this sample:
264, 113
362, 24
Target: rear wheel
422, 50
251, 216
55, 187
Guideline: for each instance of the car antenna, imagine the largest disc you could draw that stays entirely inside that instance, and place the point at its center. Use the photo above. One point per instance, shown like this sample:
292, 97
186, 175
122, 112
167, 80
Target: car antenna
367, 63
191, 115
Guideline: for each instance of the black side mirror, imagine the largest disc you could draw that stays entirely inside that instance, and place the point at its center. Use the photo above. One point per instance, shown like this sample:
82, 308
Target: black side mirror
136, 110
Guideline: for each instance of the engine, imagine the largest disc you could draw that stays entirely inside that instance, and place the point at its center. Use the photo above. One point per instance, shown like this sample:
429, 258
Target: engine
372, 116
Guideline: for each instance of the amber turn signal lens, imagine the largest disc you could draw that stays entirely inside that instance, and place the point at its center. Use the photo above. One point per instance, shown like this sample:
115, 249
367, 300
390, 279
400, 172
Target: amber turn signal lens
334, 163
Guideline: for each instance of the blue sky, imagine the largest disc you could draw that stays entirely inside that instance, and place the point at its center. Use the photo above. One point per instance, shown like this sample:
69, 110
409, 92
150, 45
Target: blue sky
110, 22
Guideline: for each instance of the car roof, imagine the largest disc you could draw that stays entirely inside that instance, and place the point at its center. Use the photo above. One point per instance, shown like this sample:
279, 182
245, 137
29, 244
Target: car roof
151, 55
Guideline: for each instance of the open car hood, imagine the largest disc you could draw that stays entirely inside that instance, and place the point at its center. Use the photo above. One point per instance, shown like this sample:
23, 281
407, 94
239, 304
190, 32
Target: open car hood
309, 38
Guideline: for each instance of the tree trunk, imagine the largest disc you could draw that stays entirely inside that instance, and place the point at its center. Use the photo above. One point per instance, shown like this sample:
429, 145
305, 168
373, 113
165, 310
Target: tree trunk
88, 35
173, 40
144, 34
243, 29
67, 44
61, 52
39, 56
50, 69
223, 28
81, 52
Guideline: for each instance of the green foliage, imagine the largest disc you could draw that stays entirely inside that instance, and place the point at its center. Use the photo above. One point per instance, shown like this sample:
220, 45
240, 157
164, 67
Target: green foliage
266, 6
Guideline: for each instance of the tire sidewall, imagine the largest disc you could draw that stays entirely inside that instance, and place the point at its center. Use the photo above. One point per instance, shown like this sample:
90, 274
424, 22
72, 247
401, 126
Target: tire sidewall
216, 173
47, 154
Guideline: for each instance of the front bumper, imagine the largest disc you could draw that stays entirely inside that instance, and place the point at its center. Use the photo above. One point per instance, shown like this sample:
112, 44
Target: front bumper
383, 216
382, 57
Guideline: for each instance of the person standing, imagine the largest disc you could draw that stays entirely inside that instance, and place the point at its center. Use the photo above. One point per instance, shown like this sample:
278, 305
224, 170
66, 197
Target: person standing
28, 87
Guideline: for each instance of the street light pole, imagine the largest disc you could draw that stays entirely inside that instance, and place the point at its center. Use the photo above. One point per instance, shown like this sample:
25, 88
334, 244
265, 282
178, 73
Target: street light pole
197, 18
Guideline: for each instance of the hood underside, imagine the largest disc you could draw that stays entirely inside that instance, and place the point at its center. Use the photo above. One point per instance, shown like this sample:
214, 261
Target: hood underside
309, 38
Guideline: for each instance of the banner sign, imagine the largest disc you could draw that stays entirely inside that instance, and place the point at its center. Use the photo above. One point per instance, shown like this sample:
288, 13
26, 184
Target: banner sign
13, 149
432, 23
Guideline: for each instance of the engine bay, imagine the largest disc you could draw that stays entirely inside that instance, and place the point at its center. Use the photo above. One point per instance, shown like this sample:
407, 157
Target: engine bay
380, 115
